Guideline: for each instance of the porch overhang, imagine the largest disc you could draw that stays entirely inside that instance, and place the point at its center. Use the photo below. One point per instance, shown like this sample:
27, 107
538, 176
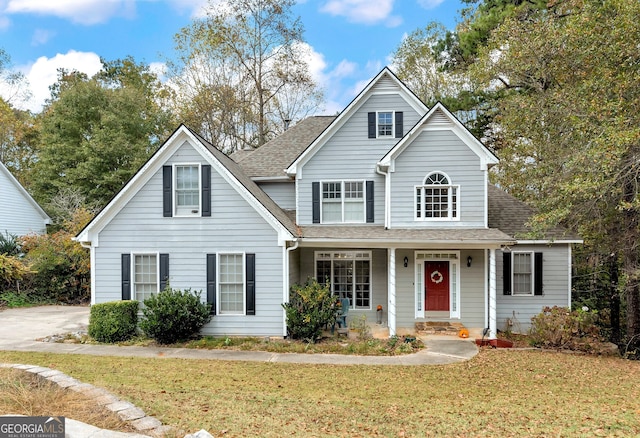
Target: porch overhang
371, 236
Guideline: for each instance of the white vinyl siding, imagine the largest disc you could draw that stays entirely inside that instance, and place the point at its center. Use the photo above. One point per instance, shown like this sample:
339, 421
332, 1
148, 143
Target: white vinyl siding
18, 214
349, 154
438, 151
231, 284
518, 310
235, 227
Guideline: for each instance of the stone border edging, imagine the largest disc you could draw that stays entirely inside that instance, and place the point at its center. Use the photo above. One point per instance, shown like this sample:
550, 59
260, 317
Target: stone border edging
124, 410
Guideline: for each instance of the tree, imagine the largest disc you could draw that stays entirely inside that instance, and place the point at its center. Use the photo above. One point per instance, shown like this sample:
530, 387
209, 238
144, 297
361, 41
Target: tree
241, 73
570, 124
96, 132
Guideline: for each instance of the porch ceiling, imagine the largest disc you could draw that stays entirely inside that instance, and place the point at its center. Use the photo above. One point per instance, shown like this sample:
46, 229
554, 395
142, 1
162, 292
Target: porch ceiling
378, 236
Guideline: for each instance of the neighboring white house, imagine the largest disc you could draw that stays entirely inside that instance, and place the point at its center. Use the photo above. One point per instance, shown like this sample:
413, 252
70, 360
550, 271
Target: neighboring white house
20, 214
390, 201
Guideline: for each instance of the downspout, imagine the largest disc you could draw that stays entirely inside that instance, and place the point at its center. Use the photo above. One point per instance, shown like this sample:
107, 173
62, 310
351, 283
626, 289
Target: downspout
285, 281
387, 195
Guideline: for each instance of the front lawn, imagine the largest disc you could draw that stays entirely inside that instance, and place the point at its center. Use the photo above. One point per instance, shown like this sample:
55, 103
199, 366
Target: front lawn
498, 393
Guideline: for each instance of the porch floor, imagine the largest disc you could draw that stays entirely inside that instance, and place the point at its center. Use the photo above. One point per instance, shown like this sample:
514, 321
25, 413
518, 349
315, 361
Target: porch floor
438, 328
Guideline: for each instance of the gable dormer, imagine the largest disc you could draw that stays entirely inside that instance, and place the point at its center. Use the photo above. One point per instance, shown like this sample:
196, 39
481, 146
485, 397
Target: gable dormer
438, 175
336, 176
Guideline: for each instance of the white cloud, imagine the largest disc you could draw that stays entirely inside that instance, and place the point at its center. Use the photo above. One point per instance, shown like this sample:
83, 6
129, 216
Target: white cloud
41, 36
87, 12
363, 11
430, 4
44, 73
196, 8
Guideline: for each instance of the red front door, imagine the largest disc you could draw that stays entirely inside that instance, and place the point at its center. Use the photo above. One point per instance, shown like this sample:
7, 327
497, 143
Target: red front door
436, 285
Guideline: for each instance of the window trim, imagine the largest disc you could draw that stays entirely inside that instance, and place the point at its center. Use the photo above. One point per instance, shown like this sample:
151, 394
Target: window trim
342, 201
174, 189
532, 274
450, 206
353, 258
134, 292
219, 311
393, 124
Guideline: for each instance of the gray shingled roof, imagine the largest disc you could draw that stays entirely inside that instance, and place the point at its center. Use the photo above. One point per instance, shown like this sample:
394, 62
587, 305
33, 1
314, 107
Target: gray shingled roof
251, 186
373, 233
511, 215
270, 159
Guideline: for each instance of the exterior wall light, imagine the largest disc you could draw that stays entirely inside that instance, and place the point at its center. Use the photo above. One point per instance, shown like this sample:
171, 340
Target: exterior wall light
469, 260
406, 261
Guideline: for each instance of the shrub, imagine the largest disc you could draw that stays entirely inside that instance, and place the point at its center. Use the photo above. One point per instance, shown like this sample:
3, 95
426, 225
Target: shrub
9, 244
174, 315
12, 271
115, 321
559, 327
310, 308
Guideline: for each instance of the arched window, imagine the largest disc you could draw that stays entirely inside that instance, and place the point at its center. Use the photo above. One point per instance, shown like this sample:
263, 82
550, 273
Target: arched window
437, 198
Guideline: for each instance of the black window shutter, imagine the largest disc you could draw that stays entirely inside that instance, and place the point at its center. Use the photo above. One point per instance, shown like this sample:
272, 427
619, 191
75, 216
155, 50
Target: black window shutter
506, 273
206, 190
537, 273
372, 125
164, 271
315, 201
167, 208
370, 205
211, 282
250, 267
399, 122
126, 276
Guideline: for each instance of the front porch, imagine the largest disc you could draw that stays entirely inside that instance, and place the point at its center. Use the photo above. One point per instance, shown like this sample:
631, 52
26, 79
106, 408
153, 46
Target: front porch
420, 290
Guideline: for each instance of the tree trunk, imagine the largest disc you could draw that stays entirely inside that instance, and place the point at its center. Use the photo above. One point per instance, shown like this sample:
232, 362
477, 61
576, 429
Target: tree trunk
630, 237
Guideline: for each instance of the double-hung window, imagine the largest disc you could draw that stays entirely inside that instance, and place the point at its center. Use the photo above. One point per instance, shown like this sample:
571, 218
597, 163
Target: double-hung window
437, 198
349, 275
385, 124
522, 273
343, 201
145, 276
231, 284
187, 190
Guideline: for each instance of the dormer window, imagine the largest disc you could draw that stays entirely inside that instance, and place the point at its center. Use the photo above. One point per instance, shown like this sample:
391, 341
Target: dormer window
437, 198
386, 124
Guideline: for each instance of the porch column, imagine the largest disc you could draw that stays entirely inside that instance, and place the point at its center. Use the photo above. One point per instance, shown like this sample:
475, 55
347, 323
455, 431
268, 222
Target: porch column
391, 311
492, 294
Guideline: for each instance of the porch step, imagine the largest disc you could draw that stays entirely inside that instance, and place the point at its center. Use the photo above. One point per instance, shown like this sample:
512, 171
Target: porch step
438, 328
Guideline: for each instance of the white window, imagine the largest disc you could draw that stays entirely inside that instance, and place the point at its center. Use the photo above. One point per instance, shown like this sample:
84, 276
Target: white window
145, 276
385, 124
437, 198
231, 283
187, 190
522, 273
348, 273
343, 201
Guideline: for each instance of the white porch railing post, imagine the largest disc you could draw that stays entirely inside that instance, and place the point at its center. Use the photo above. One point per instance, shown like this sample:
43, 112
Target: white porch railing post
492, 294
391, 311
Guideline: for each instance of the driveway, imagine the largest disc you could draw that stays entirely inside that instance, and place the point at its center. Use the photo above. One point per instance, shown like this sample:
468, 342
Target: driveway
24, 325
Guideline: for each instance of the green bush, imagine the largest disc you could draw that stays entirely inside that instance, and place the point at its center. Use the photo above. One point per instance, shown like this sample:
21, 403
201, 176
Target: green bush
174, 315
560, 327
310, 308
115, 321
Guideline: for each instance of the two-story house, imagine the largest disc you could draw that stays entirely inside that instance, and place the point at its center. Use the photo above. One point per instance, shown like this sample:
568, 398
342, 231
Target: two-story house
389, 202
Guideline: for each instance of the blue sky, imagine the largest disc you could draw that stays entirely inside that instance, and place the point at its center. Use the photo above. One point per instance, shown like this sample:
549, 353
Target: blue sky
351, 40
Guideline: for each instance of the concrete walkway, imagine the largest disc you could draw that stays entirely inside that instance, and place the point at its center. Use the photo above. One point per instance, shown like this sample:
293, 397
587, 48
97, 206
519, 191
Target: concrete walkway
20, 330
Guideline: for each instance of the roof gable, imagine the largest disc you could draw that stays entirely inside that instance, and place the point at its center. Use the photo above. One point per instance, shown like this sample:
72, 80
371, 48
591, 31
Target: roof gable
440, 118
23, 192
385, 81
226, 167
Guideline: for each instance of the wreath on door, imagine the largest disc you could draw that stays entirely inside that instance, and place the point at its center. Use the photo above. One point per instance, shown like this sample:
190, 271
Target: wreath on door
436, 277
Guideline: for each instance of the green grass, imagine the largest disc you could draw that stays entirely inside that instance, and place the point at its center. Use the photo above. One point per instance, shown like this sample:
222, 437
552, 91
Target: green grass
498, 393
